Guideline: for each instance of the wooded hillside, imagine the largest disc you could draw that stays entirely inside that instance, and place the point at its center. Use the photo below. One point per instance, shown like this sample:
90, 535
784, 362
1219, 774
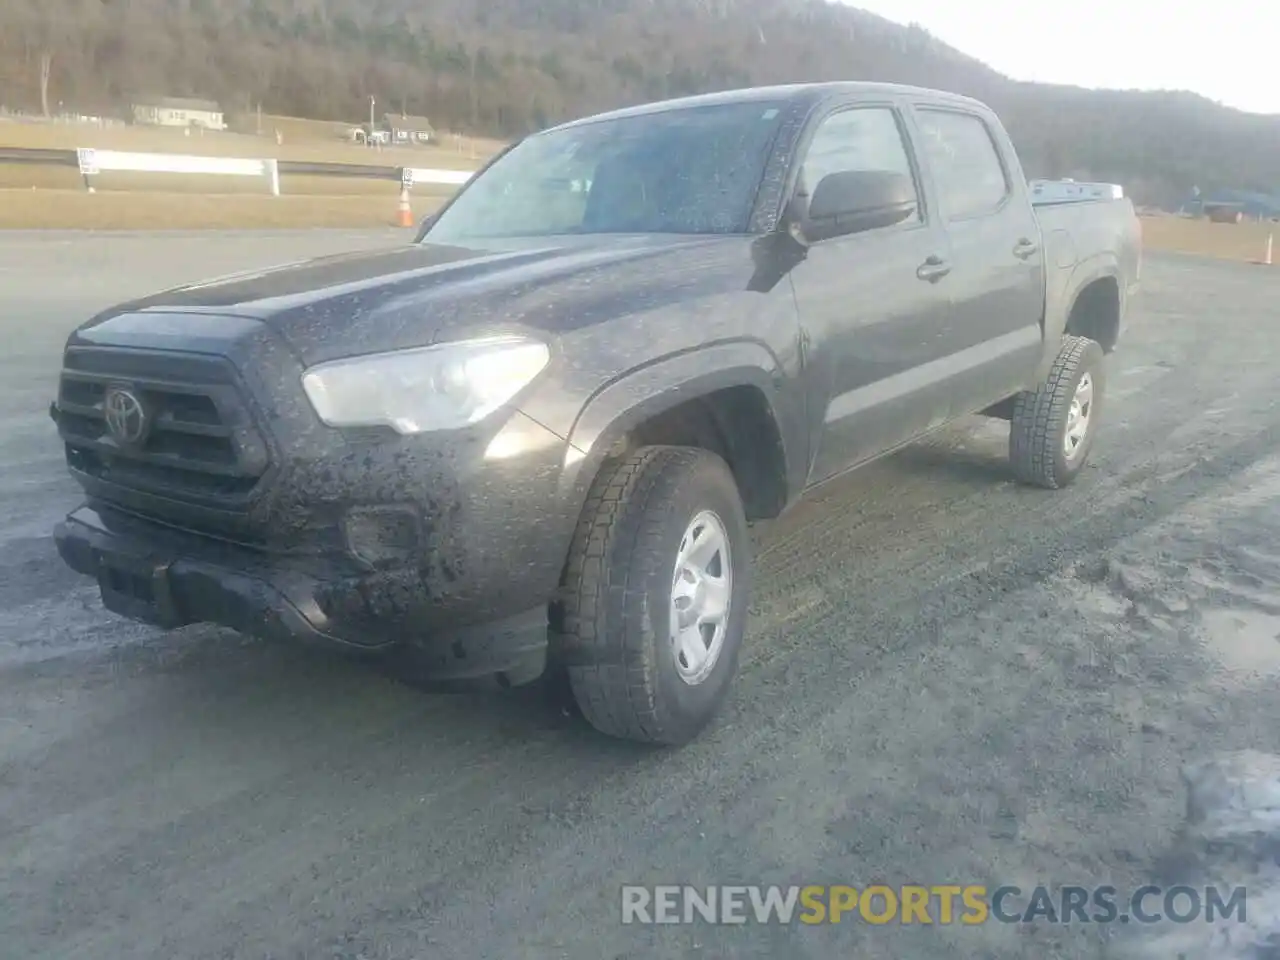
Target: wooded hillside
510, 66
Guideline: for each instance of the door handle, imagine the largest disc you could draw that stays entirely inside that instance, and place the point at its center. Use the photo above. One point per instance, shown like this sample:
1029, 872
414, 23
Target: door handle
933, 269
1024, 249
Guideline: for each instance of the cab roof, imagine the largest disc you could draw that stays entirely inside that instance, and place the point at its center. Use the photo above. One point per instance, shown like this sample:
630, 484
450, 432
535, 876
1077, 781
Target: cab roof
795, 93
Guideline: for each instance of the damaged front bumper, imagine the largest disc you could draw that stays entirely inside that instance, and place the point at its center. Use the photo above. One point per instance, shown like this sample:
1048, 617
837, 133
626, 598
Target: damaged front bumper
169, 578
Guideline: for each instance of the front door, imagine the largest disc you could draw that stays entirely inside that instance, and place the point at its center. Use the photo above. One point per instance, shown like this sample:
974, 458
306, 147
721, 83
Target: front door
872, 305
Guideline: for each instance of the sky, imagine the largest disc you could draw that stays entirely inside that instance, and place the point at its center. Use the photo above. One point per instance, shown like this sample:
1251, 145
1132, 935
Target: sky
1125, 44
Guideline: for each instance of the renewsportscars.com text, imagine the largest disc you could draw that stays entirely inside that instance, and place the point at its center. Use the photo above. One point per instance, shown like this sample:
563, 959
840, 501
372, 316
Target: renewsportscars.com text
938, 904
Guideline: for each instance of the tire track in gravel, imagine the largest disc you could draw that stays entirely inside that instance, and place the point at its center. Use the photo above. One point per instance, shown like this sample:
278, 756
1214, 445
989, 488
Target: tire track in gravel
958, 692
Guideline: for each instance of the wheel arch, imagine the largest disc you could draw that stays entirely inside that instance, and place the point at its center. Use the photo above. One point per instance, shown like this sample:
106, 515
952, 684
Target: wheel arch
725, 397
1090, 304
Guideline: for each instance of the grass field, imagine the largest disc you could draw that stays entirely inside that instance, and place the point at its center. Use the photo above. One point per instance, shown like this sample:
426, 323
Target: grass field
1224, 241
45, 197
77, 210
322, 144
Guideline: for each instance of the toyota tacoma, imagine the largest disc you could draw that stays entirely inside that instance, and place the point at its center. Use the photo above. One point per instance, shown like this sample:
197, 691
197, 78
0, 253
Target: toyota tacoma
533, 437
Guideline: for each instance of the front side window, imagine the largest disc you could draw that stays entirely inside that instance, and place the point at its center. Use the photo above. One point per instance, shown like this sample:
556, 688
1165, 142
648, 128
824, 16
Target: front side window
685, 171
861, 139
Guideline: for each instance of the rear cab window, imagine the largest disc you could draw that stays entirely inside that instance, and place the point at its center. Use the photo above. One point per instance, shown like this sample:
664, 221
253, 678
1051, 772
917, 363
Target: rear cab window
860, 138
970, 175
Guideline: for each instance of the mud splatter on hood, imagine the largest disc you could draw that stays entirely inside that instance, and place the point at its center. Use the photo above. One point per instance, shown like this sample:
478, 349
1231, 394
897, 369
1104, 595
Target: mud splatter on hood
414, 295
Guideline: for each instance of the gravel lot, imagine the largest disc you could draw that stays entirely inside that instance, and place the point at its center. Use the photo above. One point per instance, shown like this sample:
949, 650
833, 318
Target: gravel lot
949, 678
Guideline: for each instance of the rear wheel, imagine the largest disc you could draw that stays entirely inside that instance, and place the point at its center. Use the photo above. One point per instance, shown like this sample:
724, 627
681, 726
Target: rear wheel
1053, 426
656, 592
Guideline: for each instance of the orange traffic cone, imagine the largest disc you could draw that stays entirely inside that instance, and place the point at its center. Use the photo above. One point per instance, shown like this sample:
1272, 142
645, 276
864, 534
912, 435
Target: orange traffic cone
404, 215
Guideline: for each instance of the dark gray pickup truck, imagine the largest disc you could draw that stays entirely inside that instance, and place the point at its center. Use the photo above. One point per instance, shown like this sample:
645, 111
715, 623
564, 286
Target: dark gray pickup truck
535, 436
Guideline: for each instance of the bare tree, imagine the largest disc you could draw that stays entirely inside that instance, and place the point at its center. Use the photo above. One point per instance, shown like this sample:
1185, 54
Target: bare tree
472, 85
46, 67
507, 66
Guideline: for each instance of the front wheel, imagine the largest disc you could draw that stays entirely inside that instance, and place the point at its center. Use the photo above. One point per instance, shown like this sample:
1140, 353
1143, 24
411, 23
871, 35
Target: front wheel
655, 595
1053, 426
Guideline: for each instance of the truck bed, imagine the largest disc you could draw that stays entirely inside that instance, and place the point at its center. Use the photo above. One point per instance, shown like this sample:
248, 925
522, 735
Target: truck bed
1074, 231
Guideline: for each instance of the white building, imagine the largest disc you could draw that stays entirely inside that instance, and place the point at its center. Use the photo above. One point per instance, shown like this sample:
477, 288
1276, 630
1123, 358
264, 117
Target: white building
405, 130
179, 112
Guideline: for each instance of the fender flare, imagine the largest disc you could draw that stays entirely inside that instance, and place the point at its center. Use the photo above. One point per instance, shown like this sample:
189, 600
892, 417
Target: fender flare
1100, 266
665, 382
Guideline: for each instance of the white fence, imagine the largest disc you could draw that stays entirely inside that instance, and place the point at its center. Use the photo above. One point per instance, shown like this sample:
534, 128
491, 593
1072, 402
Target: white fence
93, 162
412, 175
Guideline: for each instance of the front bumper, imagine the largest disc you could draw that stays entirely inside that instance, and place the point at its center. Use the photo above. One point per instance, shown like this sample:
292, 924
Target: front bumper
448, 545
169, 578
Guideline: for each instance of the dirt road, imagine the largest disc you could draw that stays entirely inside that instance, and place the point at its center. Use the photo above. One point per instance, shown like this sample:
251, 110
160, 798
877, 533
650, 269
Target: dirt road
949, 678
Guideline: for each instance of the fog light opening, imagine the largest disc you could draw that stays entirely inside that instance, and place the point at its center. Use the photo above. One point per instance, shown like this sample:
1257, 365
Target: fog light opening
382, 536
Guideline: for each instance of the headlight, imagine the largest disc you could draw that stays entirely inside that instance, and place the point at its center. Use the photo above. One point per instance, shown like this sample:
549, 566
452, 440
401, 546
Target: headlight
441, 387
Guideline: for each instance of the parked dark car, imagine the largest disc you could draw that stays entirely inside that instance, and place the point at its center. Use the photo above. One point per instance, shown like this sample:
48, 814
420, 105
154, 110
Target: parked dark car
537, 433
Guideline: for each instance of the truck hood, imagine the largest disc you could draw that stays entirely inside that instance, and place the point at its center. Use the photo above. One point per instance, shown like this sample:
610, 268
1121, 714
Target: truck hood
415, 295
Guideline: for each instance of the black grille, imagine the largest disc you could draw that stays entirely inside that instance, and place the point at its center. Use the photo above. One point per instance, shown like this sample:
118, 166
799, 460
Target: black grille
202, 447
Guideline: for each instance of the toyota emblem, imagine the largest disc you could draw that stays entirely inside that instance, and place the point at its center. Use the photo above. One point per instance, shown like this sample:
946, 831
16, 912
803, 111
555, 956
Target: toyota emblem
127, 418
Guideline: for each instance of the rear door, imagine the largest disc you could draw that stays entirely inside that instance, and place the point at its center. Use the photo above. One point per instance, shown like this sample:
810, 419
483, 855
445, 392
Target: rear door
993, 337
870, 304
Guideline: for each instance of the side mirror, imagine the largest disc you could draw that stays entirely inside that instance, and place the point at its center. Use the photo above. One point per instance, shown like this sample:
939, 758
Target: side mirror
423, 227
853, 201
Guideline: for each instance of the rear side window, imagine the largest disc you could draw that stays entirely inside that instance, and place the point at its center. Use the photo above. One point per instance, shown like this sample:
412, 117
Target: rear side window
863, 138
965, 163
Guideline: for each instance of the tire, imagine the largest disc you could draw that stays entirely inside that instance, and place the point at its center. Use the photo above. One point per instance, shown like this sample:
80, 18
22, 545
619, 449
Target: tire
614, 639
1042, 417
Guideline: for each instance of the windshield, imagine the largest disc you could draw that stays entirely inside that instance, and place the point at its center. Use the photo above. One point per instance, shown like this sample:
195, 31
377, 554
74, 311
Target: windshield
687, 171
